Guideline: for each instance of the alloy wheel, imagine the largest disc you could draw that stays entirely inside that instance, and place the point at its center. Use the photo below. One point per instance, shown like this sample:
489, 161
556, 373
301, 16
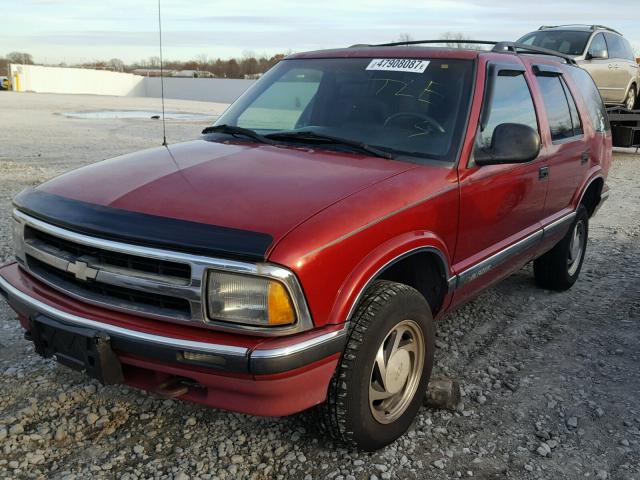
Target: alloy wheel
576, 246
396, 371
631, 99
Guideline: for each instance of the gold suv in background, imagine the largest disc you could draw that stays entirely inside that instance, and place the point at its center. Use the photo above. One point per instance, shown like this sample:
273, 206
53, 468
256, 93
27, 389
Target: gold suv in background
600, 50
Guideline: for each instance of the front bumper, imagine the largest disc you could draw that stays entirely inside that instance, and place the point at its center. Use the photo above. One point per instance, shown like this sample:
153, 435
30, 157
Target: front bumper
274, 376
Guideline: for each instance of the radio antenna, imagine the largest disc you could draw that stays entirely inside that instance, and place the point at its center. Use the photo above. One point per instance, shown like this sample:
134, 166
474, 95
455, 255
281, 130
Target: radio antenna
164, 126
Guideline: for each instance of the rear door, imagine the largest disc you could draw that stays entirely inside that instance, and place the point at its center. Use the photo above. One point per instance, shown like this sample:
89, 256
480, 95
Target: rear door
501, 206
567, 153
601, 69
622, 66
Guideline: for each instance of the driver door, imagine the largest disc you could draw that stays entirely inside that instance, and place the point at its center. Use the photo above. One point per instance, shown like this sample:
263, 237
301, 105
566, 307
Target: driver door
501, 206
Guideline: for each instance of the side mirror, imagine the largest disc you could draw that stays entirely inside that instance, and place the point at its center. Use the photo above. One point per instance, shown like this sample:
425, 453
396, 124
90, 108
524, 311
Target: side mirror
596, 54
510, 143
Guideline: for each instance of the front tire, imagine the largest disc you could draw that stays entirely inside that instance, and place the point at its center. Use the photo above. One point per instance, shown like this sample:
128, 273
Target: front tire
382, 377
559, 268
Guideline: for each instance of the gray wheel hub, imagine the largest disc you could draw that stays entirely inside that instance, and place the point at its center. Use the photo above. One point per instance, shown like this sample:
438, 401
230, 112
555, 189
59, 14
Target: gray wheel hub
396, 371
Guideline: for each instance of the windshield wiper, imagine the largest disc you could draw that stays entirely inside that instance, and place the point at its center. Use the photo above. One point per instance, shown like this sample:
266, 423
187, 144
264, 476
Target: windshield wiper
233, 130
313, 137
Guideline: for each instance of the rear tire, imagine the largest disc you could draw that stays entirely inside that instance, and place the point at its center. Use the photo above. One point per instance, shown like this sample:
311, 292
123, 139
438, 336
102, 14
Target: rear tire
559, 268
382, 377
632, 98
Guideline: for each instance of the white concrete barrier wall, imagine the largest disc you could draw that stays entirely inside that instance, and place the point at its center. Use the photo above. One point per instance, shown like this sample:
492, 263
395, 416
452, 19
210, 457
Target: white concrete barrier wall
35, 78
223, 90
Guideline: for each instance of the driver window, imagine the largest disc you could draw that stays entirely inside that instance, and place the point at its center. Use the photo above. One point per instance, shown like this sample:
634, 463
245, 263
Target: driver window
598, 44
511, 103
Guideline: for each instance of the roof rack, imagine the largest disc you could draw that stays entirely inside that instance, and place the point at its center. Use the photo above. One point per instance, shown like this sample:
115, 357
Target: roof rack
498, 47
513, 47
592, 27
418, 42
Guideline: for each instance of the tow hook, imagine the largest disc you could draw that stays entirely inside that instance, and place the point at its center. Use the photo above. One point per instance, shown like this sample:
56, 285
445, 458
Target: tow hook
174, 387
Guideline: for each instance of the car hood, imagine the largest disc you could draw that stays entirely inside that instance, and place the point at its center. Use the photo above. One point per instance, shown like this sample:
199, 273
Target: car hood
246, 187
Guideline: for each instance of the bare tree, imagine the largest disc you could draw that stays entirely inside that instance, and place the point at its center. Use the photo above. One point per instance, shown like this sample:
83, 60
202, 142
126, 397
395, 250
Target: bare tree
202, 61
115, 64
4, 66
153, 62
249, 65
405, 37
20, 57
457, 40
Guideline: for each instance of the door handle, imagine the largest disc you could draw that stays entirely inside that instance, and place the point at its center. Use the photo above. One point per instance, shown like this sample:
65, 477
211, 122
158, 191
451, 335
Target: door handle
584, 158
543, 173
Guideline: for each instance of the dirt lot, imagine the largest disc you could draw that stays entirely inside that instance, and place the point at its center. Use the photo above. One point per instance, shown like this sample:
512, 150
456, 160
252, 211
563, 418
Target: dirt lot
551, 380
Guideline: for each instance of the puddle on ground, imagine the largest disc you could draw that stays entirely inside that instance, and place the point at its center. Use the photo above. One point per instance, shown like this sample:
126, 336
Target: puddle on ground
138, 114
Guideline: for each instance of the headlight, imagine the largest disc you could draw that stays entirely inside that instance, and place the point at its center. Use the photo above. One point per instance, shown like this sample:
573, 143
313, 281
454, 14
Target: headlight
247, 299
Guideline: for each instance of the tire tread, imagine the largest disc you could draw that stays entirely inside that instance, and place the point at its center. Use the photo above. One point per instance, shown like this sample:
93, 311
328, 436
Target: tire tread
333, 411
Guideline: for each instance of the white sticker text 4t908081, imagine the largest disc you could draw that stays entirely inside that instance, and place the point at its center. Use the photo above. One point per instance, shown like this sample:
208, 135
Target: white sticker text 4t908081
398, 65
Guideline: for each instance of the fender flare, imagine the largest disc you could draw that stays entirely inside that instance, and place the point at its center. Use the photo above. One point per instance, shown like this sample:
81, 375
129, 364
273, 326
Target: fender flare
594, 178
378, 260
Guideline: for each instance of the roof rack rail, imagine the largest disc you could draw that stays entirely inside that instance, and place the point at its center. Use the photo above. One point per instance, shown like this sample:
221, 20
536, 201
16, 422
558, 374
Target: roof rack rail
592, 27
511, 47
498, 47
419, 42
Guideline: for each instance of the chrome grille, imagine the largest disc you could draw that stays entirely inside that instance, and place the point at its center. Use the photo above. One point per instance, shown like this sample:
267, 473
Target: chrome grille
121, 280
114, 260
107, 294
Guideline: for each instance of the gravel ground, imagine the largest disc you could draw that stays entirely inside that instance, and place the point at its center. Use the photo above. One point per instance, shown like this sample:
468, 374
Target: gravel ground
551, 384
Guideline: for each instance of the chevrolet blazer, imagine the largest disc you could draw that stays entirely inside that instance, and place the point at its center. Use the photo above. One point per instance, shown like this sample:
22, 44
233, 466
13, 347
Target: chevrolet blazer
299, 254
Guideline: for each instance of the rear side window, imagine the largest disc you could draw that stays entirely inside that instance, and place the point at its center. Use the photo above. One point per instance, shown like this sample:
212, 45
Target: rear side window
511, 103
630, 53
617, 47
575, 116
591, 96
562, 113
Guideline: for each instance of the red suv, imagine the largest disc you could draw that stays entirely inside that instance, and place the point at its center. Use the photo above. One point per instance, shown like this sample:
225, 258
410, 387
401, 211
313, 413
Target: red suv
300, 252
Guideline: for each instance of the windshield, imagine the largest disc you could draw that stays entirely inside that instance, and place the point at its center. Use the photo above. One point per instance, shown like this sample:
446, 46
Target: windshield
408, 107
564, 41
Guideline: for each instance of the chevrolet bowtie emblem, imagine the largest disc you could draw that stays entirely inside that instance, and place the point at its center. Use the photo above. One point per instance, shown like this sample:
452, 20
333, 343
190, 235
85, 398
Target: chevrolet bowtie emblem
82, 271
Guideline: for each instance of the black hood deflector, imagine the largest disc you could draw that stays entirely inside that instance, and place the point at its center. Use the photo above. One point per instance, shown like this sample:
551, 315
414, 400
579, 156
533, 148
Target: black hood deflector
143, 229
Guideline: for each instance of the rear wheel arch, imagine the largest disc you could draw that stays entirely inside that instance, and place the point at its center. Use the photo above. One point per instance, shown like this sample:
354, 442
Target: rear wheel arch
591, 196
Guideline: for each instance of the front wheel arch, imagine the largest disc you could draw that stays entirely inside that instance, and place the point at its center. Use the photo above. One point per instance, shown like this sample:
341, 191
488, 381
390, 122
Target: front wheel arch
433, 283
424, 271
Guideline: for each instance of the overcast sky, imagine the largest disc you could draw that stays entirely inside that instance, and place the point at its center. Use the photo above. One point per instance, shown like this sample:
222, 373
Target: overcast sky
72, 31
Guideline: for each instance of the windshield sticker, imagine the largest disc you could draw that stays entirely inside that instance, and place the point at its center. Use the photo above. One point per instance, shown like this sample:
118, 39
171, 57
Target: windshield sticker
398, 65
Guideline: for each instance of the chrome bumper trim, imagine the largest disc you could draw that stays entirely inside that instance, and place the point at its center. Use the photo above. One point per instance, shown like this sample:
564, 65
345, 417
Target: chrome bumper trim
299, 347
159, 340
238, 359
